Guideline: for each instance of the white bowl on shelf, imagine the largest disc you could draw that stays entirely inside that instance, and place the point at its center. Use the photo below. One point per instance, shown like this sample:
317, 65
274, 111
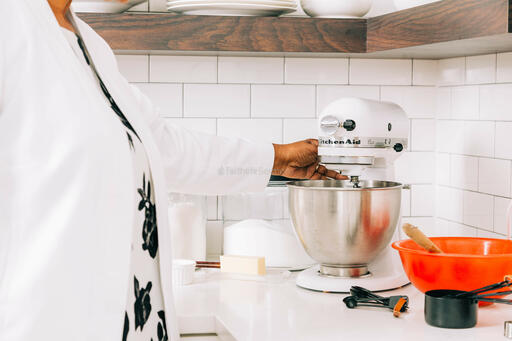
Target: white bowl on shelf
104, 6
404, 4
336, 8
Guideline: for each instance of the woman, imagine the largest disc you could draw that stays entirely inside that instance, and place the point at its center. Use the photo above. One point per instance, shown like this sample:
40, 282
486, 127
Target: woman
85, 167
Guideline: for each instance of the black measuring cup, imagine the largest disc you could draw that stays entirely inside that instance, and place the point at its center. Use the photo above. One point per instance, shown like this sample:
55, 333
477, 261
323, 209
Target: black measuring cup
459, 309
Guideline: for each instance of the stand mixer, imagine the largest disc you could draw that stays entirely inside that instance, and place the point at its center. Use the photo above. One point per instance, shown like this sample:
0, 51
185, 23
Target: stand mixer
348, 226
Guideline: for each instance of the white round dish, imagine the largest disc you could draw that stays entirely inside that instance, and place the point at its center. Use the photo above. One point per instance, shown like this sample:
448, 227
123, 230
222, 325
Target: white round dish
183, 272
102, 6
404, 4
336, 8
231, 9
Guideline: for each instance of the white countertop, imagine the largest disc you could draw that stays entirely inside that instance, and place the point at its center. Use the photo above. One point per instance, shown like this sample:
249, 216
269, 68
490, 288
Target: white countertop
275, 309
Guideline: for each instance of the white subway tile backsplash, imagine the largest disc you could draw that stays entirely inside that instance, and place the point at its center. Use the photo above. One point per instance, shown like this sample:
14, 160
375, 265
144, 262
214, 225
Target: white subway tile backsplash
422, 200
489, 234
495, 102
183, 69
417, 101
465, 103
316, 70
424, 72
464, 172
257, 130
406, 203
479, 210
504, 67
481, 69
500, 214
300, 129
503, 142
423, 135
381, 71
494, 177
450, 203
168, 98
287, 101
452, 71
133, 67
251, 70
443, 169
202, 125
444, 103
415, 168
450, 136
216, 100
326, 94
479, 138
446, 228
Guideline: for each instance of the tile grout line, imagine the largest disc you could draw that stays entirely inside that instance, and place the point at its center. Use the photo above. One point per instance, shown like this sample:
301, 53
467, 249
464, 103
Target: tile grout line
149, 68
412, 71
250, 100
217, 60
183, 100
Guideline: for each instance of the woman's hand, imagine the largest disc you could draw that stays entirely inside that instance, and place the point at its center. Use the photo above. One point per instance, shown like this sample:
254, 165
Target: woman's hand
299, 160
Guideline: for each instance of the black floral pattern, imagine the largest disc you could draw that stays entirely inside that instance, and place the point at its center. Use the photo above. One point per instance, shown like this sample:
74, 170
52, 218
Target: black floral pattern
142, 305
162, 327
149, 230
126, 327
130, 141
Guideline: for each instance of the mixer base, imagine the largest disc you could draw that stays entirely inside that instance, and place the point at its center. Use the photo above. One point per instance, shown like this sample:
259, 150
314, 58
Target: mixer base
377, 281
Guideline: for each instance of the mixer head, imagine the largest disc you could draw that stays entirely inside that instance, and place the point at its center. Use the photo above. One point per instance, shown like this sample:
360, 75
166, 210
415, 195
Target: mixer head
356, 134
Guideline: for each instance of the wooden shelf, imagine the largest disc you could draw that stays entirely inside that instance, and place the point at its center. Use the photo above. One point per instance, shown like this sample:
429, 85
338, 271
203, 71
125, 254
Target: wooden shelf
440, 29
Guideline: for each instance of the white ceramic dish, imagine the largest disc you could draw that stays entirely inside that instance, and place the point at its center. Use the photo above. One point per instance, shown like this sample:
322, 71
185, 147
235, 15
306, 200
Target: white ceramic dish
183, 271
336, 8
404, 4
102, 6
231, 9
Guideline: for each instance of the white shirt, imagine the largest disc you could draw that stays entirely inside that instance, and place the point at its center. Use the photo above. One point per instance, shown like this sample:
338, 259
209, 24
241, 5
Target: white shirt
64, 167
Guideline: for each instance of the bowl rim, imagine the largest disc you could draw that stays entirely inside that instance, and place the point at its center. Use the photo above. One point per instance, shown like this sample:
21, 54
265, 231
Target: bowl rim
396, 245
297, 184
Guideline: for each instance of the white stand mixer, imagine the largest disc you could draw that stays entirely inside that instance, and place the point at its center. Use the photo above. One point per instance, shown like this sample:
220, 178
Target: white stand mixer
362, 139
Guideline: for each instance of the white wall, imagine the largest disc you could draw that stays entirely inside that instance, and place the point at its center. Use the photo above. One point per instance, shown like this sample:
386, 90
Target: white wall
474, 144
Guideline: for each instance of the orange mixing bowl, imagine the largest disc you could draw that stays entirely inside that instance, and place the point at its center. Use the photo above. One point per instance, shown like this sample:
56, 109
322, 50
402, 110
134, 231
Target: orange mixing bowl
467, 264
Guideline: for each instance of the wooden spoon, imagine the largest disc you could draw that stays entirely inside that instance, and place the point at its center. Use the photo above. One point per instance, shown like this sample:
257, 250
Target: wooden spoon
419, 238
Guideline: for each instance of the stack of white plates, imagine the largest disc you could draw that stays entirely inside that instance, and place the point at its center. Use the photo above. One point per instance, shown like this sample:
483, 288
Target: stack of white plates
232, 7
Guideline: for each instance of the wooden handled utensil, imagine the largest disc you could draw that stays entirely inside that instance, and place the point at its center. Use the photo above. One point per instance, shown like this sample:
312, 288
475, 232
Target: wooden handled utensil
419, 238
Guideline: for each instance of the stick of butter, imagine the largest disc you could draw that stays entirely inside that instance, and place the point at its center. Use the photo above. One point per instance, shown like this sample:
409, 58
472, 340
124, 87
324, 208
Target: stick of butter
246, 265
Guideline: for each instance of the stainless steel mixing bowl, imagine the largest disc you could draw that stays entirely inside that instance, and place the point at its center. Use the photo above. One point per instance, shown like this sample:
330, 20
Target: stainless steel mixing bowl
342, 227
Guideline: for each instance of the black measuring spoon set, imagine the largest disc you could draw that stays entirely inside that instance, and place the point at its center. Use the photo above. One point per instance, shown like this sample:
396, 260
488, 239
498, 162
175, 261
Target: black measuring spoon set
443, 308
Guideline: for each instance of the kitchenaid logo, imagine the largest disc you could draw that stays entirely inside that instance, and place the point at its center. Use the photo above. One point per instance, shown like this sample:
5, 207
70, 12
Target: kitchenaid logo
340, 142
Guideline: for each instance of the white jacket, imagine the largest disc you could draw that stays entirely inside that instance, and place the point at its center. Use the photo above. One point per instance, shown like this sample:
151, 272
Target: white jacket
66, 182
